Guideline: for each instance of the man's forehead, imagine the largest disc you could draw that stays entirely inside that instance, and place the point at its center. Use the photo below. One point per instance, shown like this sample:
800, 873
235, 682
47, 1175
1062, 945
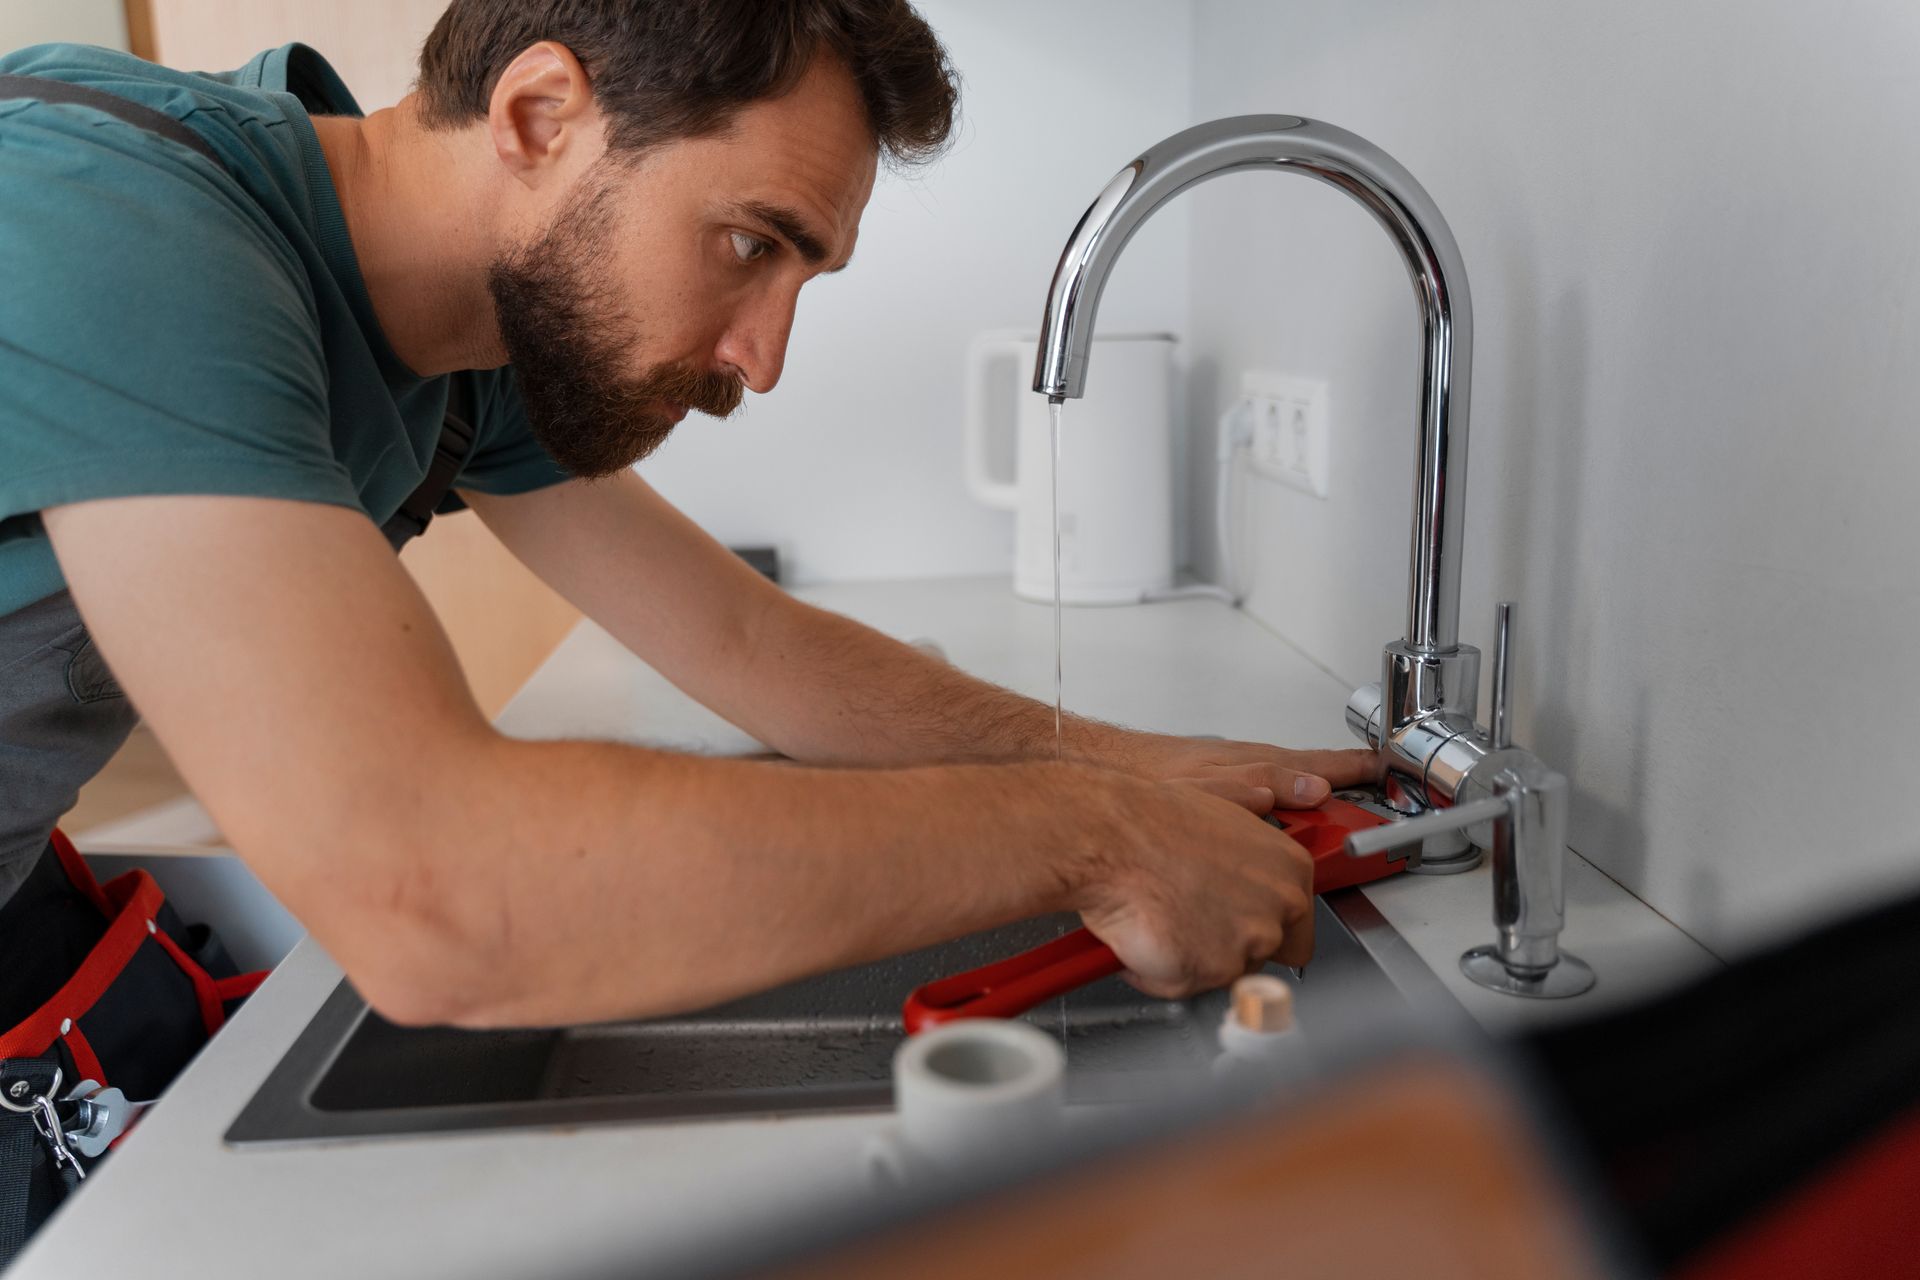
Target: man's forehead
800, 166
808, 156
817, 244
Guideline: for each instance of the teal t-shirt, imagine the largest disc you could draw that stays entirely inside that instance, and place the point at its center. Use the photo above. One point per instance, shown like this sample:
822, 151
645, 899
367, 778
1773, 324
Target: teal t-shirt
168, 325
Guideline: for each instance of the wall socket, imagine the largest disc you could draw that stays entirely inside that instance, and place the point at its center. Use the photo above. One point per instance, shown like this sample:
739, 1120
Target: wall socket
1290, 429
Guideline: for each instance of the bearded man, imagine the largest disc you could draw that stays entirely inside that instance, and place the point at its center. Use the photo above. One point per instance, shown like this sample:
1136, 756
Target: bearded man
246, 331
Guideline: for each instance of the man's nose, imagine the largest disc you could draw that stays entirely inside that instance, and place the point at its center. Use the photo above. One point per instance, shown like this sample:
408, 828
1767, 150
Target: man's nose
756, 342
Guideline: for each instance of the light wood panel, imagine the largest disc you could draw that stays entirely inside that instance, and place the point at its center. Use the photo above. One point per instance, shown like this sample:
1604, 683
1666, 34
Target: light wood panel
140, 41
373, 44
138, 779
503, 621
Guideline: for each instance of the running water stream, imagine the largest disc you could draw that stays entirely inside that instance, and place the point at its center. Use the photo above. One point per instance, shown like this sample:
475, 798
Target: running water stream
1053, 429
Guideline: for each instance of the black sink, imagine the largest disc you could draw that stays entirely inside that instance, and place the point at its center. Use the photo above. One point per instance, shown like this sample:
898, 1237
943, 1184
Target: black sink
822, 1044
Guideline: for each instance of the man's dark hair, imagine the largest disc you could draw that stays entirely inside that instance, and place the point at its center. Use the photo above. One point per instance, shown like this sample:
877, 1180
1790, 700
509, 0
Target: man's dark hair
668, 69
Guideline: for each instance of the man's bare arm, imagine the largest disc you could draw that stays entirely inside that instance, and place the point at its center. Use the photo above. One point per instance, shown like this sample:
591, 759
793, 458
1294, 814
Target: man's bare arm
307, 694
817, 686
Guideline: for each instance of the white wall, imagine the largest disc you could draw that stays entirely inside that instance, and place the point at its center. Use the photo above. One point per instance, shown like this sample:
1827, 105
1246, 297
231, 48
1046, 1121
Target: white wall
852, 465
1690, 236
25, 22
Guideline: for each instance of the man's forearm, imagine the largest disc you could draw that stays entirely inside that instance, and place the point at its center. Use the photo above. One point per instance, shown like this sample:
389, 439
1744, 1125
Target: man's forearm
823, 688
587, 881
809, 683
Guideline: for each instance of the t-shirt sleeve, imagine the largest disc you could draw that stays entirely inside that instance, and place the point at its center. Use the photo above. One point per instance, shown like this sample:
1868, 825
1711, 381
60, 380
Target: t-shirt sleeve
156, 333
507, 459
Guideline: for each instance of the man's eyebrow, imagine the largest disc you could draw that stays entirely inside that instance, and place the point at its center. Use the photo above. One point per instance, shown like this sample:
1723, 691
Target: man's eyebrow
791, 227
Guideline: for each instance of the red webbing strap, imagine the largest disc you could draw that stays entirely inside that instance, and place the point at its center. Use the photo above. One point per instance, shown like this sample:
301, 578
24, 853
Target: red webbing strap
210, 993
241, 985
133, 900
212, 1012
79, 874
131, 904
85, 1060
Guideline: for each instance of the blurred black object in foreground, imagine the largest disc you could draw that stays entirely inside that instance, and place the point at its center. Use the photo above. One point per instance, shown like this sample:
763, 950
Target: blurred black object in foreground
1712, 1111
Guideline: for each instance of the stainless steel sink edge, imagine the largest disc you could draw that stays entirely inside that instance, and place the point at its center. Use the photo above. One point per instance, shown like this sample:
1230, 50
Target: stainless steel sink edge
1394, 955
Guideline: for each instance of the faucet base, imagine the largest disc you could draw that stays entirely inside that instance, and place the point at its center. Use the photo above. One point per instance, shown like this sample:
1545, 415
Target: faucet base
1569, 976
1452, 864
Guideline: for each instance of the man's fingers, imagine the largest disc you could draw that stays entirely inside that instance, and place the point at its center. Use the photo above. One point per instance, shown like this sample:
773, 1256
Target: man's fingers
1345, 768
1349, 768
1295, 790
1251, 796
1296, 946
1290, 788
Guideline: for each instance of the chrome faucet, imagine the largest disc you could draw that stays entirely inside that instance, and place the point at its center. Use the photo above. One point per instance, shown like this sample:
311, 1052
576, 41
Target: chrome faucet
1463, 788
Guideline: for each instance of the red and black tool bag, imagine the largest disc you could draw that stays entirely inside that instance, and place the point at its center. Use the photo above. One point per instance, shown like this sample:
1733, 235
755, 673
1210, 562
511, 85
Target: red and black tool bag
140, 1002
104, 983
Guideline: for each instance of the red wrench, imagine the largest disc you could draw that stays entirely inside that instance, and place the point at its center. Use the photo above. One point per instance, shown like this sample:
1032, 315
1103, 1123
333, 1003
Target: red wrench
1008, 988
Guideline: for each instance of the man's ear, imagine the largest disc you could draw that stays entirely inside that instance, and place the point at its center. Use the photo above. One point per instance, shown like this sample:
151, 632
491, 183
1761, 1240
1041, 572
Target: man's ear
541, 111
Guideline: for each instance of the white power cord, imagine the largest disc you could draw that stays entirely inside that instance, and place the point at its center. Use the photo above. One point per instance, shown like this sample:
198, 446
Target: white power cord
1235, 432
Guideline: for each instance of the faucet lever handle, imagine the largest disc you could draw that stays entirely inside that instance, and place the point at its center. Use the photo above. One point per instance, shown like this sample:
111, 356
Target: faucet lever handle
1412, 831
1502, 727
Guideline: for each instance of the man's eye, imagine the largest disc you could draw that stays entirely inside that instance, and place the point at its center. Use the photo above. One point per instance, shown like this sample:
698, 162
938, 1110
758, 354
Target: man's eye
746, 248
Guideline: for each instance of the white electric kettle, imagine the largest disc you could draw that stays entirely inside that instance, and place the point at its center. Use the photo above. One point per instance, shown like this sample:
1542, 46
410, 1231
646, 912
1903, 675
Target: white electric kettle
1116, 469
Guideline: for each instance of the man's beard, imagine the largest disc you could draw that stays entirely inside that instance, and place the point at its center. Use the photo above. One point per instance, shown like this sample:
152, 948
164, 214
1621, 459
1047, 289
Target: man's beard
567, 337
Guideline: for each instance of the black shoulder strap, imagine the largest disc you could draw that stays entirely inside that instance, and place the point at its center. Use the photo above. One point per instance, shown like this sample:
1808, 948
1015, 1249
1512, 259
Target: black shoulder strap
45, 90
435, 494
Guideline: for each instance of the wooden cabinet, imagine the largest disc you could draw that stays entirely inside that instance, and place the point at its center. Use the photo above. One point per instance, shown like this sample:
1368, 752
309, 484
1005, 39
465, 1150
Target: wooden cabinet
372, 43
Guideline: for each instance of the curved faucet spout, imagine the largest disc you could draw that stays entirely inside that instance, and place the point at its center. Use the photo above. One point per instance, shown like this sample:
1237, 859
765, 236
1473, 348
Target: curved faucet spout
1398, 203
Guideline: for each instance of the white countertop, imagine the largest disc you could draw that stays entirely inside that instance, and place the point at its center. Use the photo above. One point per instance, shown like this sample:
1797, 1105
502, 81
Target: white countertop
175, 1201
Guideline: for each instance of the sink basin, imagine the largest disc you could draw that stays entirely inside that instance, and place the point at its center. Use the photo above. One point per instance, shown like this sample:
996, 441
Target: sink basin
821, 1044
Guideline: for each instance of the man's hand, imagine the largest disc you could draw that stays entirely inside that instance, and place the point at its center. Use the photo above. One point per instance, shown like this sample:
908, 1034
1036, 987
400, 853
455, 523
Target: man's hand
1193, 890
1253, 775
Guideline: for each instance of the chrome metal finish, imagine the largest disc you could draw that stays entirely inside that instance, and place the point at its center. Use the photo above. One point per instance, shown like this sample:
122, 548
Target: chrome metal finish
1499, 729
1430, 699
1529, 885
1570, 976
1401, 206
98, 1117
1511, 804
1450, 764
46, 1121
1363, 714
1420, 684
1402, 837
1382, 946
1449, 853
1061, 370
1420, 718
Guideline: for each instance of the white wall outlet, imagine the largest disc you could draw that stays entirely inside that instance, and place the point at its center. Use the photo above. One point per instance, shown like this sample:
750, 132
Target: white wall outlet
1290, 429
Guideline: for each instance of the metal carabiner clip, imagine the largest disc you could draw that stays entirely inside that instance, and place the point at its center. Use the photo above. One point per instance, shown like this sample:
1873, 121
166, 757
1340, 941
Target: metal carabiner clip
46, 1121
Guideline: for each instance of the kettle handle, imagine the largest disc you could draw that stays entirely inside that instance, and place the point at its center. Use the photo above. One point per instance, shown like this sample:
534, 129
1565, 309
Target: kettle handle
980, 352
